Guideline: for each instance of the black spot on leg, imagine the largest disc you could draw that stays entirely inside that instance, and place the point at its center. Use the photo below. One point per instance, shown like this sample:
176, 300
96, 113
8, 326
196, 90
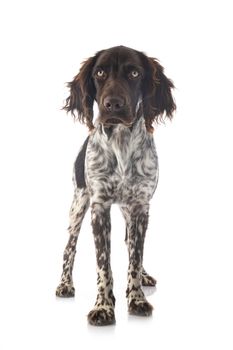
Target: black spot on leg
133, 274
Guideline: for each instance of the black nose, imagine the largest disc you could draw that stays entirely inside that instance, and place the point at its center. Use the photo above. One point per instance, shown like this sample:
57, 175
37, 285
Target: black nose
113, 104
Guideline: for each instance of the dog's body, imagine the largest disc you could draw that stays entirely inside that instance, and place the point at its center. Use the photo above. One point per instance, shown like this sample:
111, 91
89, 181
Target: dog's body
117, 164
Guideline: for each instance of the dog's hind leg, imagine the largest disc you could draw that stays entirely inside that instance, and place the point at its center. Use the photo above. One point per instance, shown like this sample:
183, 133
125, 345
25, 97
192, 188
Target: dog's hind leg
78, 209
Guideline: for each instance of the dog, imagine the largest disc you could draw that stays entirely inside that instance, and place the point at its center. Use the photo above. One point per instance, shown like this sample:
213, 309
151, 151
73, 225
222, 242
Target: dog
117, 164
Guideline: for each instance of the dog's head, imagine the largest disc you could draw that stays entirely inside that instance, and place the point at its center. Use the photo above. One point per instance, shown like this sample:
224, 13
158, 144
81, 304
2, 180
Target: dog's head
124, 82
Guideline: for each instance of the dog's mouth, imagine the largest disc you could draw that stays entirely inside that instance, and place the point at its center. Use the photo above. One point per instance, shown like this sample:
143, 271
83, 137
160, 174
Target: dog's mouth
111, 121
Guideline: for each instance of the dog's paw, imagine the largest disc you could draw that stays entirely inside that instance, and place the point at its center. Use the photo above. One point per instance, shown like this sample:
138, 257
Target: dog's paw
140, 307
147, 280
65, 291
101, 316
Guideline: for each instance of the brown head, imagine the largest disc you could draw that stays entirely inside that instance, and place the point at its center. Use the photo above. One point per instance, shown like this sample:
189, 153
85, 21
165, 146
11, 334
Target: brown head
121, 80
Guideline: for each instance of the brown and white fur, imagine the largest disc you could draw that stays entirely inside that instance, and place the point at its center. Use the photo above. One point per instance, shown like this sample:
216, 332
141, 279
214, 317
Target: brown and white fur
117, 164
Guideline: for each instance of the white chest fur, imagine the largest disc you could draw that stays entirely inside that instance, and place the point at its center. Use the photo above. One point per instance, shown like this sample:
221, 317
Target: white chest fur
122, 165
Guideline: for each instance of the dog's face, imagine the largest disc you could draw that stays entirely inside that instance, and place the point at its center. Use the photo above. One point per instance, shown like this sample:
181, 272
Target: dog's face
117, 76
124, 82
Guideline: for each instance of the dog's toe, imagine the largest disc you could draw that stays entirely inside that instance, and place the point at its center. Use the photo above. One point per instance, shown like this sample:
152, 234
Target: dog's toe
65, 291
147, 280
101, 317
140, 308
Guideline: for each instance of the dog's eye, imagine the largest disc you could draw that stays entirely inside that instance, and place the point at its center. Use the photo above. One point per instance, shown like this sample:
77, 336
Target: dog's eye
134, 74
100, 73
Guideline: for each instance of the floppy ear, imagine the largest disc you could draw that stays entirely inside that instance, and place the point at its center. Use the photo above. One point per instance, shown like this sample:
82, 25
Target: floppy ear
82, 94
157, 101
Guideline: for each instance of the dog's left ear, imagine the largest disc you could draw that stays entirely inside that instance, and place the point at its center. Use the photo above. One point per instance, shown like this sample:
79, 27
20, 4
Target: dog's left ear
82, 94
157, 101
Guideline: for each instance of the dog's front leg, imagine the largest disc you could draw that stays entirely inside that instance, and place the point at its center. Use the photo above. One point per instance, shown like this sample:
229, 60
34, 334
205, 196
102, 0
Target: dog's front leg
103, 311
137, 221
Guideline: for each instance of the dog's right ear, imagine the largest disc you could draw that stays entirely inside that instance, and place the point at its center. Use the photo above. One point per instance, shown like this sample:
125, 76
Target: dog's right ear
82, 94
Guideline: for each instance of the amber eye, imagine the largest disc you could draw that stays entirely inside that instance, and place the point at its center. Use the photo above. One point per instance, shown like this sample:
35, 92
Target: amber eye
100, 74
134, 74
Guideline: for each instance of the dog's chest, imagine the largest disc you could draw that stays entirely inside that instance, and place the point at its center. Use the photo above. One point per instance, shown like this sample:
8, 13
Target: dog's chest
122, 167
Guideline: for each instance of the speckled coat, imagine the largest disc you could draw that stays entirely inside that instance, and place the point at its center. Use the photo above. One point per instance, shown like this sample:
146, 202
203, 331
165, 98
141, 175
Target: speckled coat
119, 166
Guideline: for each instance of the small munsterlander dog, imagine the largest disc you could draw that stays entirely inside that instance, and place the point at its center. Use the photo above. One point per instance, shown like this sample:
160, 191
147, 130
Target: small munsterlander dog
117, 164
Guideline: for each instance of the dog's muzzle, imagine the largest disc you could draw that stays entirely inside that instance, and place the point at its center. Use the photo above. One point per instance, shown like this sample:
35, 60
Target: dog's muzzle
115, 120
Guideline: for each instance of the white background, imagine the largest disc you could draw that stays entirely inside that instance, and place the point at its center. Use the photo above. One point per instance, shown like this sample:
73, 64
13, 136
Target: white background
189, 241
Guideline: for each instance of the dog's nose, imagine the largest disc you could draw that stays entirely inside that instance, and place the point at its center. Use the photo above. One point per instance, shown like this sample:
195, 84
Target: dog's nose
113, 104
